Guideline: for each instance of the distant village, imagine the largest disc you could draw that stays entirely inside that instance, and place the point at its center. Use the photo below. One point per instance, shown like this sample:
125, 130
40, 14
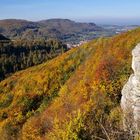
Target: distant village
69, 46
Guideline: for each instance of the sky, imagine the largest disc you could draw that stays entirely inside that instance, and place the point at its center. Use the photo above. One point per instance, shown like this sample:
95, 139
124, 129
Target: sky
98, 11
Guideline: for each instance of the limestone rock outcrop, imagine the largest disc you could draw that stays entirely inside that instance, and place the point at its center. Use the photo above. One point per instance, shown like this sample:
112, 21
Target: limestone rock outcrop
130, 101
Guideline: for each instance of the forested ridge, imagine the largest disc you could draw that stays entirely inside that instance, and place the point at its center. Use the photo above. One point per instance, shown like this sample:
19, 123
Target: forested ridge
75, 96
21, 54
63, 29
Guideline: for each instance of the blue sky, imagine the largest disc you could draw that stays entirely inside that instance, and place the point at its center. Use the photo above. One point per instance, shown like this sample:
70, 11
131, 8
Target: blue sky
98, 11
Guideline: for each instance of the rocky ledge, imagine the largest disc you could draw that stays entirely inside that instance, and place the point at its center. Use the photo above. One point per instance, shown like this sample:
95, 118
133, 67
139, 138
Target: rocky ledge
130, 101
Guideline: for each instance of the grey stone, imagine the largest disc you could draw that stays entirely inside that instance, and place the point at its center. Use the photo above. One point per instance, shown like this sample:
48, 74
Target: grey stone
130, 101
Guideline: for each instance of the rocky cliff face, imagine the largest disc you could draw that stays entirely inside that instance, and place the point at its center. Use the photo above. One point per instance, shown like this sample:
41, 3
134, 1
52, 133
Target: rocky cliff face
130, 101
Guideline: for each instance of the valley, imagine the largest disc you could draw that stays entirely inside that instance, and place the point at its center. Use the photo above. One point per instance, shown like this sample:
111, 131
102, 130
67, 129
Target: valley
66, 30
69, 70
71, 96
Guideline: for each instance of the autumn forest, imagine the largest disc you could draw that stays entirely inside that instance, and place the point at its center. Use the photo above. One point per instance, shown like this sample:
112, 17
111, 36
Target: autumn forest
76, 95
70, 70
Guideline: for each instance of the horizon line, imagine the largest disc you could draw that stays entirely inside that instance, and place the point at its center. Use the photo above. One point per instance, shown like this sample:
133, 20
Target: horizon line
101, 21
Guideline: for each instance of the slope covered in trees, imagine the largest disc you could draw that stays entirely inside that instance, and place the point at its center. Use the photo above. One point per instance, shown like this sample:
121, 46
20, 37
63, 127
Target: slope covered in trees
22, 54
74, 96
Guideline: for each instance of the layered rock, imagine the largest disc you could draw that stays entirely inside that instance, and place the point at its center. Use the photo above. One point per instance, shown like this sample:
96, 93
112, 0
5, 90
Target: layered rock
130, 101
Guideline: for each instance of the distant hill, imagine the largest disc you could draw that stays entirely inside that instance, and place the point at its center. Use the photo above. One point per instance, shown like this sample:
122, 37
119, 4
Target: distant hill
13, 28
74, 96
68, 26
63, 29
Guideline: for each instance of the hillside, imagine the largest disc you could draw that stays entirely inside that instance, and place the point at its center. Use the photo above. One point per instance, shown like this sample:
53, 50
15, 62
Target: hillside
66, 25
74, 96
21, 54
62, 29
